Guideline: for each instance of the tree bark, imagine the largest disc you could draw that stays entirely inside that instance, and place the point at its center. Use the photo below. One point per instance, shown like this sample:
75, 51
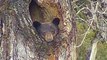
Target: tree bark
20, 41
17, 41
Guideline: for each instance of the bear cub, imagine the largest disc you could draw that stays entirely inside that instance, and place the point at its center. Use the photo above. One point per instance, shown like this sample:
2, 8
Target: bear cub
47, 31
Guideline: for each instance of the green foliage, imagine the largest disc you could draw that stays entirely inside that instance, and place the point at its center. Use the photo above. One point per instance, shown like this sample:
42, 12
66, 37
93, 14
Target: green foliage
102, 51
82, 51
84, 17
82, 28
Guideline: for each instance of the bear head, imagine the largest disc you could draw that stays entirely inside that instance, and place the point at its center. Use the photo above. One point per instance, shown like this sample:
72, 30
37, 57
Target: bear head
46, 30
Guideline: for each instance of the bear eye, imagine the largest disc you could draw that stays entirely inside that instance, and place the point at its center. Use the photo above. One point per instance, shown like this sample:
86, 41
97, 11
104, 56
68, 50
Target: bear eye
43, 32
52, 32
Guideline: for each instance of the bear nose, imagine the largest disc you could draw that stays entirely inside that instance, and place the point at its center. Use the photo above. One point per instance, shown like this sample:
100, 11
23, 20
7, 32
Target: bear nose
48, 36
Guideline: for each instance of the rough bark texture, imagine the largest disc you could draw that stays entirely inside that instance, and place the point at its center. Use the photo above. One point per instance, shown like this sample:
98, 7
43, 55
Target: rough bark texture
18, 39
81, 20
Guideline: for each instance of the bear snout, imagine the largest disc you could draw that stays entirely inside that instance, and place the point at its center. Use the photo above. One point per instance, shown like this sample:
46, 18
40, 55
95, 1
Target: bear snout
48, 36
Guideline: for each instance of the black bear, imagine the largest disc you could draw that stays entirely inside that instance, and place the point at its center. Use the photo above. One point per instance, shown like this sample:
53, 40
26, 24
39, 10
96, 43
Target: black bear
47, 31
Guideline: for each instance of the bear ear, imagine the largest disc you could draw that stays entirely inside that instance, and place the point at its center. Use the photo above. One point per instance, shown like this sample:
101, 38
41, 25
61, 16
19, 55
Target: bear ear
56, 21
36, 24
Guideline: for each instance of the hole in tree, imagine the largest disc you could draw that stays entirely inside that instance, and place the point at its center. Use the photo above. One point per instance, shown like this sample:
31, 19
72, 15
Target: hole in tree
35, 11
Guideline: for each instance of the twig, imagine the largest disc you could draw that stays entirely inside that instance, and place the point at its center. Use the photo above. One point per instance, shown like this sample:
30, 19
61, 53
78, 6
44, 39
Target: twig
85, 35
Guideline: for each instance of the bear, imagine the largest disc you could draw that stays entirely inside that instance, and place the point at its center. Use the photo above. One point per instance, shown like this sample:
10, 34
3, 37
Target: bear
47, 31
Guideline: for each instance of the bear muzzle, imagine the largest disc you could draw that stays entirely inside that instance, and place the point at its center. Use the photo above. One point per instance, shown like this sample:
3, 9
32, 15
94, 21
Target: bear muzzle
48, 36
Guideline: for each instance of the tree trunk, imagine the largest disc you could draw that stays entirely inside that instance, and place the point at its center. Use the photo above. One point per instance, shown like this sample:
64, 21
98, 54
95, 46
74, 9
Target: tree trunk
81, 20
19, 40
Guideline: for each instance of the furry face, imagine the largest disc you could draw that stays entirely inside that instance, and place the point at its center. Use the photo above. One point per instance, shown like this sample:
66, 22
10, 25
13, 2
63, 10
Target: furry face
47, 31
